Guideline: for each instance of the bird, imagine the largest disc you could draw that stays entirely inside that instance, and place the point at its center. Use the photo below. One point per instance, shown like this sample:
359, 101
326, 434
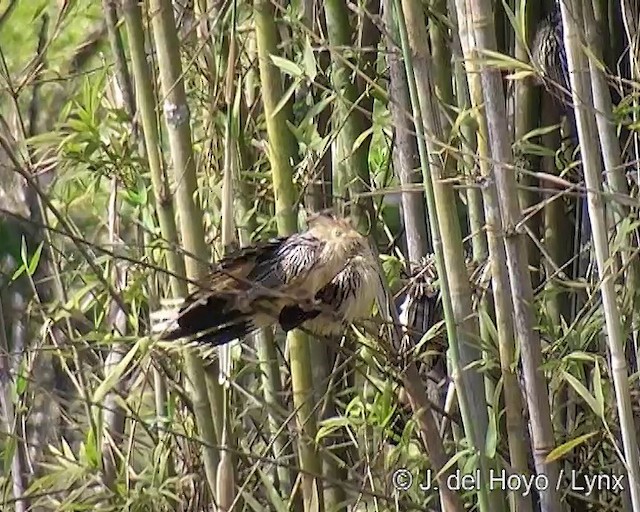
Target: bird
321, 279
549, 55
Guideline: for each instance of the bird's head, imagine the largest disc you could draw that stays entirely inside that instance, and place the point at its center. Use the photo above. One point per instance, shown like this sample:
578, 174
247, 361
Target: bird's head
339, 235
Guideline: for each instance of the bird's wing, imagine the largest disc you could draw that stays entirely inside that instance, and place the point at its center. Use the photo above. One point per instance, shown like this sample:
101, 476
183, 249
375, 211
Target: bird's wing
248, 289
289, 263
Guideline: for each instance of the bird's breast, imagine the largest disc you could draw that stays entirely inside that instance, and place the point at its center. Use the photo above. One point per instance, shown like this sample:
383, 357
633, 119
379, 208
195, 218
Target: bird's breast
359, 298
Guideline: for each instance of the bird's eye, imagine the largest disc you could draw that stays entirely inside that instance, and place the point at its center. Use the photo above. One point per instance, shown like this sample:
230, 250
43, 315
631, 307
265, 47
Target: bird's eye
337, 233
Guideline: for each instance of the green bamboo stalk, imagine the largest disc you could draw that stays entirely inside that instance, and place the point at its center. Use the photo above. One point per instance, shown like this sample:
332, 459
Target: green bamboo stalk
117, 48
318, 198
455, 291
160, 183
527, 108
448, 221
516, 429
471, 143
159, 179
281, 144
192, 231
281, 153
267, 352
587, 132
353, 163
520, 280
611, 154
113, 414
319, 192
405, 151
442, 76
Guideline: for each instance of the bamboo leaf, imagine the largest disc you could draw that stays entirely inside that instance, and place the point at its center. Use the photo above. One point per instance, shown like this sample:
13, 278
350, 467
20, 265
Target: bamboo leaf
520, 74
491, 441
502, 61
114, 376
597, 389
560, 451
579, 355
285, 98
309, 59
582, 391
453, 460
287, 66
361, 138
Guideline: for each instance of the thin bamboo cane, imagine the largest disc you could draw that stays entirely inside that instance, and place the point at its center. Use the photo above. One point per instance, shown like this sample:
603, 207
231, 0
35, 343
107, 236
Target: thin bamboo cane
192, 231
456, 305
587, 132
353, 152
480, 12
281, 152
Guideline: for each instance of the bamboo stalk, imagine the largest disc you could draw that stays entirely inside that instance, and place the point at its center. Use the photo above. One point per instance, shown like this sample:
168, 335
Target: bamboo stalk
473, 140
587, 132
281, 153
443, 88
267, 351
516, 437
160, 183
527, 107
10, 425
447, 219
405, 151
520, 280
113, 414
177, 120
455, 291
612, 159
351, 123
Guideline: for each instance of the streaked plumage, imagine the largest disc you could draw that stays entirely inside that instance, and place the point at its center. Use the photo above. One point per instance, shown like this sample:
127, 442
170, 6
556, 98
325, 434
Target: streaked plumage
549, 56
318, 279
419, 305
347, 297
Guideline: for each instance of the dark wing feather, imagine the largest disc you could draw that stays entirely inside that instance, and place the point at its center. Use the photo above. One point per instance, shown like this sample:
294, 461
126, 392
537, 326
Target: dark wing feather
294, 316
295, 256
331, 298
229, 299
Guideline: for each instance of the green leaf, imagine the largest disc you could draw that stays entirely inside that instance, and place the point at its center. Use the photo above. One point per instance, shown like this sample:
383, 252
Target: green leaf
538, 132
19, 271
491, 440
288, 67
115, 375
309, 59
454, 460
330, 425
91, 449
361, 138
560, 451
35, 259
22, 382
582, 391
579, 355
285, 98
597, 389
278, 504
501, 61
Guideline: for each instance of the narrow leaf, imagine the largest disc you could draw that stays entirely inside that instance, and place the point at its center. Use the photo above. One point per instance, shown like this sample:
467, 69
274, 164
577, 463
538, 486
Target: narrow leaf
560, 451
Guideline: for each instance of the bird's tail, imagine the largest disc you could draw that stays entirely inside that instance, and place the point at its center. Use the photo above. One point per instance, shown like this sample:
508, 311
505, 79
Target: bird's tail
202, 321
